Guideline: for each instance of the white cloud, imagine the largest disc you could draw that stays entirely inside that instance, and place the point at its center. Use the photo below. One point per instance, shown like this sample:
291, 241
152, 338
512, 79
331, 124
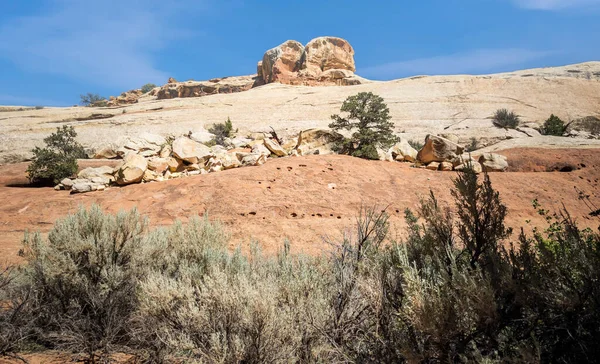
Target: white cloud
109, 43
554, 4
472, 62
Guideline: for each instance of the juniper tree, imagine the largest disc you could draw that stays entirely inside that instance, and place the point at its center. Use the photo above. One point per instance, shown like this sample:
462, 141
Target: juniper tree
370, 117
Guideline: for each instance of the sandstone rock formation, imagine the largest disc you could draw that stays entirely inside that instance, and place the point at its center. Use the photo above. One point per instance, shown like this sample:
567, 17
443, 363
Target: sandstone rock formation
126, 98
215, 86
438, 149
403, 152
492, 162
282, 63
324, 61
131, 170
190, 151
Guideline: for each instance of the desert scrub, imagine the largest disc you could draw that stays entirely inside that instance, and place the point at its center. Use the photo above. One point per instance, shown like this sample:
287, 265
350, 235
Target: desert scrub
416, 144
458, 288
58, 159
506, 119
221, 131
92, 100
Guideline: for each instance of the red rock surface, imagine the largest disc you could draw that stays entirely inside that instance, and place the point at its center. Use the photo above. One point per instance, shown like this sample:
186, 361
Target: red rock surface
291, 198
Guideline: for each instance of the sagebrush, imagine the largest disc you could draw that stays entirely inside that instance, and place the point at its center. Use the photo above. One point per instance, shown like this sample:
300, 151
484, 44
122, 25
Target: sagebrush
506, 119
458, 288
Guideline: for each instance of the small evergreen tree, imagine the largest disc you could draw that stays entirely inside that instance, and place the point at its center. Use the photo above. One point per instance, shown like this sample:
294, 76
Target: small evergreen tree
371, 117
92, 100
221, 131
148, 87
553, 126
58, 159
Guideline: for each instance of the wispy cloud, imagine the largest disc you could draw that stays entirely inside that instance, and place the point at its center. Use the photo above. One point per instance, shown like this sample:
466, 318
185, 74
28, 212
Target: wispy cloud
554, 4
472, 62
109, 43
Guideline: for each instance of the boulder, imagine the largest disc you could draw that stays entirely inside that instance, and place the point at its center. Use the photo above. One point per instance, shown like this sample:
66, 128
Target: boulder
228, 160
446, 166
84, 185
261, 149
131, 170
106, 153
158, 165
476, 166
189, 150
463, 159
166, 151
438, 149
433, 166
328, 53
202, 136
146, 144
102, 174
280, 64
254, 159
175, 165
67, 183
317, 141
403, 151
150, 176
237, 142
274, 147
492, 162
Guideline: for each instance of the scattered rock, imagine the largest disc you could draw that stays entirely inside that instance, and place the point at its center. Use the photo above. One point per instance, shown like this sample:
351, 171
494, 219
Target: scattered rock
261, 149
274, 147
106, 153
492, 162
476, 166
433, 166
158, 164
146, 144
131, 169
202, 136
103, 175
190, 151
254, 159
319, 140
446, 166
403, 152
438, 149
126, 98
175, 165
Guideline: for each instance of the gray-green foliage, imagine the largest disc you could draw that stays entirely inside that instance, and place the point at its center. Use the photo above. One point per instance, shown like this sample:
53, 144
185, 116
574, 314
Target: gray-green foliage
370, 117
449, 292
506, 119
58, 159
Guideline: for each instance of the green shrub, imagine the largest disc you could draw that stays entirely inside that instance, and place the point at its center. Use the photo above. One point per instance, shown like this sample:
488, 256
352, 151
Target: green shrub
92, 100
553, 126
58, 159
221, 131
505, 119
370, 117
148, 87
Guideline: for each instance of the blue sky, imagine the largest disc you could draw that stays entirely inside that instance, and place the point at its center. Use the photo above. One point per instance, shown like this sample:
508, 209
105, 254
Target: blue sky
51, 51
